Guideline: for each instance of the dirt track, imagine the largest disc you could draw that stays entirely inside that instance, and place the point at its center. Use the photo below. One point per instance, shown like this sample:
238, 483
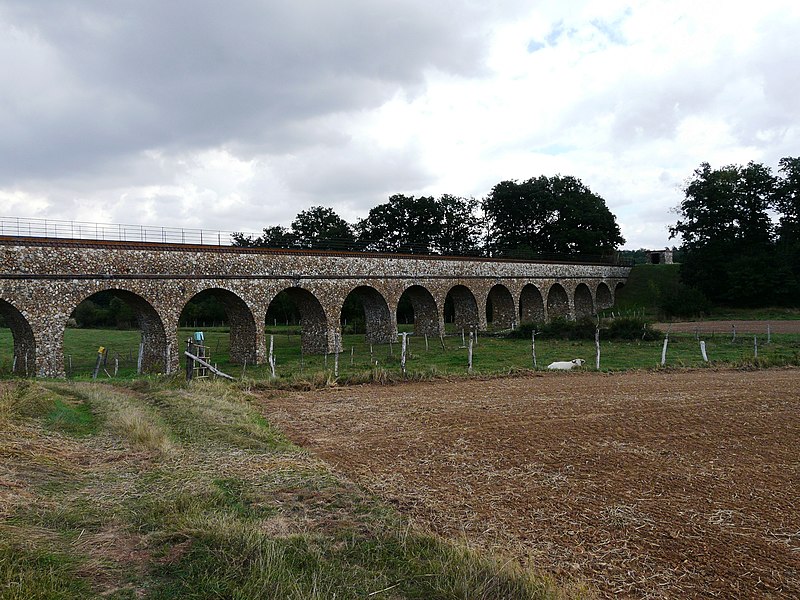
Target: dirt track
644, 484
759, 327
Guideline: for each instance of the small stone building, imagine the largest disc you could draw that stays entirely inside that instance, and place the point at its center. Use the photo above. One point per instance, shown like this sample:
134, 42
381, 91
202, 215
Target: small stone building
659, 257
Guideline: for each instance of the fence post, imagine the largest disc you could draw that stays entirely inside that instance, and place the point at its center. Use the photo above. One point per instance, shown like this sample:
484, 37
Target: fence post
703, 350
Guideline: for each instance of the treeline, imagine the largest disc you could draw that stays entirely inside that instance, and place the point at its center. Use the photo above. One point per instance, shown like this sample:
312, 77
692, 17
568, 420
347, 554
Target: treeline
539, 216
740, 227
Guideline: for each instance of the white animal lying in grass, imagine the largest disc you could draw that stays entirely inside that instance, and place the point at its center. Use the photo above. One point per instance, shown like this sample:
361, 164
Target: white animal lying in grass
566, 365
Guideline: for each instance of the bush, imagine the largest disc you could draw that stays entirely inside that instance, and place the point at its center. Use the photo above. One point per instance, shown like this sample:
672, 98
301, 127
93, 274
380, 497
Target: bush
631, 328
563, 329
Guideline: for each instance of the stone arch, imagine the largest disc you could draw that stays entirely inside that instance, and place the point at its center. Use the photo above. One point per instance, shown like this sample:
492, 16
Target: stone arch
242, 323
603, 296
313, 320
426, 314
531, 305
465, 306
500, 307
380, 327
24, 355
557, 302
155, 351
584, 304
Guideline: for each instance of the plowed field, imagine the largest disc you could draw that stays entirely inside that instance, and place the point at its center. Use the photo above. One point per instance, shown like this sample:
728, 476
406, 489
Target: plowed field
683, 484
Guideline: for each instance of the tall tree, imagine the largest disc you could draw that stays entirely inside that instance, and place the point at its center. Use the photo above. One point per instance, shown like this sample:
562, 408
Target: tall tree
321, 228
403, 224
548, 215
459, 227
728, 235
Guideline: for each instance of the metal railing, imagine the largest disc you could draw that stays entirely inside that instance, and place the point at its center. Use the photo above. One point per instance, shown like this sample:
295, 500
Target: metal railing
120, 232
82, 230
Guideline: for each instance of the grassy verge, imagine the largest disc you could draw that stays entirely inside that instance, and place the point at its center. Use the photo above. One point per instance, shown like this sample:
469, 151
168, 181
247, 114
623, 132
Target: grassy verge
359, 362
166, 492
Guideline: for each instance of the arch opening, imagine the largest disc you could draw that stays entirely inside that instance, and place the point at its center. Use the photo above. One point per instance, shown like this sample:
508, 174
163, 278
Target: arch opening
531, 305
603, 296
584, 304
500, 311
417, 306
557, 302
122, 310
301, 306
365, 310
22, 359
465, 307
217, 306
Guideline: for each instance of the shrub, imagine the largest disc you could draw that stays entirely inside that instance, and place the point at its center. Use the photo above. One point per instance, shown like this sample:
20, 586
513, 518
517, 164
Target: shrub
631, 328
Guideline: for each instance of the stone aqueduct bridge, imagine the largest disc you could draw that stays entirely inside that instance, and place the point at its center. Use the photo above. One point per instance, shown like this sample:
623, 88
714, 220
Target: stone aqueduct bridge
43, 280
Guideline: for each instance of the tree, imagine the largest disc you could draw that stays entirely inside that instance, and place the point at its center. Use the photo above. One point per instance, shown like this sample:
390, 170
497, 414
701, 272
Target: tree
788, 199
321, 228
273, 237
403, 224
729, 238
459, 228
548, 215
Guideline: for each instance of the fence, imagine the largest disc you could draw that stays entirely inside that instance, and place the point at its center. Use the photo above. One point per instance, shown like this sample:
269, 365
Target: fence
120, 232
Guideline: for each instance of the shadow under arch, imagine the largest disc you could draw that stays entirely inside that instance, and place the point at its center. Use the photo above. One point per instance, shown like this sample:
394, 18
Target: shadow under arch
557, 302
239, 317
500, 307
313, 320
584, 304
371, 304
465, 306
23, 361
154, 355
531, 305
603, 297
426, 315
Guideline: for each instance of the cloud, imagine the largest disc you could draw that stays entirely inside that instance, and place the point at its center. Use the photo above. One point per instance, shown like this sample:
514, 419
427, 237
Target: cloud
238, 115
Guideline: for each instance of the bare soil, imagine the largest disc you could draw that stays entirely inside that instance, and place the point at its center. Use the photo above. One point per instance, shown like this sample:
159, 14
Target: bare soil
644, 484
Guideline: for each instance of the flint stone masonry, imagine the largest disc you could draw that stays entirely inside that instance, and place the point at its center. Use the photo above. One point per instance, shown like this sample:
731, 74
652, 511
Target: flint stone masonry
43, 281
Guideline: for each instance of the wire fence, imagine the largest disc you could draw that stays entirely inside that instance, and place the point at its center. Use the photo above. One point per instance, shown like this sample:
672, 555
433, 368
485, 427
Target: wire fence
24, 227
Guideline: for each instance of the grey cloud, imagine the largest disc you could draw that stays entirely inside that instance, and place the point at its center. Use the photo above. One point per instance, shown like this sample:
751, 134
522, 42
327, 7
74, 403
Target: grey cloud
180, 75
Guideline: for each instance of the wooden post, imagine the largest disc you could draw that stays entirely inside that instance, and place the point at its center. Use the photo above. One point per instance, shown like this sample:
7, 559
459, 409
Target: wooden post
98, 362
403, 348
441, 339
463, 340
336, 356
116, 365
189, 360
469, 353
703, 351
664, 351
272, 354
733, 339
597, 347
139, 358
533, 347
755, 346
167, 366
70, 364
769, 336
14, 364
352, 349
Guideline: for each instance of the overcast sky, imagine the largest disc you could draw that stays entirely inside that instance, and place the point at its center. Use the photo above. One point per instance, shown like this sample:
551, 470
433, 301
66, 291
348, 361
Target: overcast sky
236, 115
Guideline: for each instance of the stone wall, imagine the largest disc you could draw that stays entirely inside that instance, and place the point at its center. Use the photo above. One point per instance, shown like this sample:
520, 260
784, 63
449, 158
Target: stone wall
42, 283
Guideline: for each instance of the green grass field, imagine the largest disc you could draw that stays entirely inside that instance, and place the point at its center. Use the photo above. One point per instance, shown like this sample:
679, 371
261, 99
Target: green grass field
491, 355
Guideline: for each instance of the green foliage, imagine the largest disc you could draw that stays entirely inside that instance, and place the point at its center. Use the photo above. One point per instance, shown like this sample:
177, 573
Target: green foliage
561, 329
733, 254
549, 215
630, 328
683, 301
